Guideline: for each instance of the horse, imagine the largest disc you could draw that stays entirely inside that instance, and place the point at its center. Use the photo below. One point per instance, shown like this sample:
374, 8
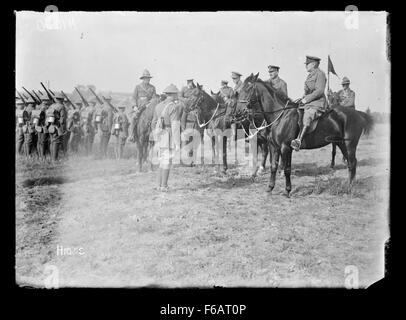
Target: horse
140, 130
341, 125
262, 143
212, 113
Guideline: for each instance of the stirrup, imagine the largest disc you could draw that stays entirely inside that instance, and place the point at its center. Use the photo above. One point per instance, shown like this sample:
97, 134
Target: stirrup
295, 144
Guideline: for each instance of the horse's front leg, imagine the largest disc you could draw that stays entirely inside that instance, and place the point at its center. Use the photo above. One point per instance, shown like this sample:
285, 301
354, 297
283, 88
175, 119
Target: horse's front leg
265, 151
275, 151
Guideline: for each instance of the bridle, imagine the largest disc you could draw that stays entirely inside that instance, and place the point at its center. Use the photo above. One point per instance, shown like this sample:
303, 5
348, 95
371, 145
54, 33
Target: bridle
250, 115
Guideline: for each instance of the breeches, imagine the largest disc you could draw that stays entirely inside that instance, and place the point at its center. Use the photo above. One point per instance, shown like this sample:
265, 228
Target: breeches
310, 114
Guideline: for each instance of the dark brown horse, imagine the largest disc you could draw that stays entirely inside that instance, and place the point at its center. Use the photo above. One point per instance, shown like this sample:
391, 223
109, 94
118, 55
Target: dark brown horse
140, 130
341, 125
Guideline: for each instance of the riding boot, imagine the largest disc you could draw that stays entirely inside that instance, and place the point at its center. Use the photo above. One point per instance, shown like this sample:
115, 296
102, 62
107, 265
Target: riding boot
295, 144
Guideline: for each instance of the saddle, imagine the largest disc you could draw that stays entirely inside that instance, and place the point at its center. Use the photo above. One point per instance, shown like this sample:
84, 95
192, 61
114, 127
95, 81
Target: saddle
314, 123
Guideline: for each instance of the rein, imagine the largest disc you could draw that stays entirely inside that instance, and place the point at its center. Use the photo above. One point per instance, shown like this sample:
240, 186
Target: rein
205, 124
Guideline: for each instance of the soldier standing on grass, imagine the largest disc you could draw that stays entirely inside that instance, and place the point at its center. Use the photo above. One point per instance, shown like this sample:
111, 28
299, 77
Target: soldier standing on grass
346, 97
103, 120
88, 129
56, 118
22, 117
166, 122
42, 130
120, 130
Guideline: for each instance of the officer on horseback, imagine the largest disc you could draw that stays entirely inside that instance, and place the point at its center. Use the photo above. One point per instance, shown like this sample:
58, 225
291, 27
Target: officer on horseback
226, 92
275, 81
186, 91
346, 97
143, 93
314, 100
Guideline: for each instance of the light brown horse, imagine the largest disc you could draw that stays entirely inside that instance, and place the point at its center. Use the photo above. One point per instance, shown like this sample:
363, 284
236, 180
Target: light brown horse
341, 125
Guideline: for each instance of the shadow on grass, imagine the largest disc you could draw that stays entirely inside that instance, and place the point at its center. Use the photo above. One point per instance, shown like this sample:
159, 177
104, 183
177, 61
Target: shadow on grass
339, 186
312, 169
30, 183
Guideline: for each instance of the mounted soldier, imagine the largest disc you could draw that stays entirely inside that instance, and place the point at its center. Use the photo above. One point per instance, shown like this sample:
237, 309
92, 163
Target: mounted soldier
346, 97
103, 120
186, 92
143, 93
275, 81
226, 92
120, 127
88, 129
166, 122
56, 119
314, 100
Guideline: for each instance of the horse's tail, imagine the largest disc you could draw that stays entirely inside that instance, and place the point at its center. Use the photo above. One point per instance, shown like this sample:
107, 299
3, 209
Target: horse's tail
369, 122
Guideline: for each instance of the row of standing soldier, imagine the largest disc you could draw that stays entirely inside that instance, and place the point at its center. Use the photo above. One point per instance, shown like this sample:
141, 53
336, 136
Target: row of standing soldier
50, 124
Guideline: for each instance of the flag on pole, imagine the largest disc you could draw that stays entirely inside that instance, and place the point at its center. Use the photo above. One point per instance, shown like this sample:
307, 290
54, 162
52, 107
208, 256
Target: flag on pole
330, 67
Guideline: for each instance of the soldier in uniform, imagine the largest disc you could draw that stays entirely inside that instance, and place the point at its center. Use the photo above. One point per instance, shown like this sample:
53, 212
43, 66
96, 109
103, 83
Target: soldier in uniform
30, 138
314, 100
237, 81
22, 118
103, 120
66, 137
120, 127
42, 130
74, 128
56, 118
226, 92
346, 97
143, 93
166, 122
275, 81
88, 129
186, 92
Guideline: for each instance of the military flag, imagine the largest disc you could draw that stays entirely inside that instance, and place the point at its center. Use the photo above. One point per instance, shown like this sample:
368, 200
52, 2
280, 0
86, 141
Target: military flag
330, 67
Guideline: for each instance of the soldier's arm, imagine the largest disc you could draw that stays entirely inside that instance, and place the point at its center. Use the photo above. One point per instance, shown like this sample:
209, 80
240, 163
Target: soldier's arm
320, 85
284, 88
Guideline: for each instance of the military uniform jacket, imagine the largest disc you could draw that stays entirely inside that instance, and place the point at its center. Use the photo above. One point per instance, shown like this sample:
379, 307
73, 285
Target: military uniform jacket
170, 113
226, 92
346, 98
106, 113
314, 87
186, 92
121, 119
279, 85
143, 94
238, 86
63, 114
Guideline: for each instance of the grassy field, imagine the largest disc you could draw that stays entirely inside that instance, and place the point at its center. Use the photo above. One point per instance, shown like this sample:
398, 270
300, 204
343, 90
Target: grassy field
210, 229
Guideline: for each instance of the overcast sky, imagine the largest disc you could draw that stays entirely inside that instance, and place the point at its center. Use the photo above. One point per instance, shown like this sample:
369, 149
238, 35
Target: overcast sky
111, 49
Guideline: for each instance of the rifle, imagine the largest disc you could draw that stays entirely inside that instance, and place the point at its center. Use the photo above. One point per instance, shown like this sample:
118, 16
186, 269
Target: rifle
21, 97
82, 97
40, 92
98, 99
32, 97
49, 95
110, 104
39, 99
67, 98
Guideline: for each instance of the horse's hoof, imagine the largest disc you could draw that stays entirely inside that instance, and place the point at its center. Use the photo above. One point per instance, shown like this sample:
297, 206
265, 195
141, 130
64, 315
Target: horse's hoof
287, 194
261, 170
269, 189
332, 166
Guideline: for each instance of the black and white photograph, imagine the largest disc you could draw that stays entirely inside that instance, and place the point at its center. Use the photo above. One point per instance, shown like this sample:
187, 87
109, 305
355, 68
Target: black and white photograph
237, 149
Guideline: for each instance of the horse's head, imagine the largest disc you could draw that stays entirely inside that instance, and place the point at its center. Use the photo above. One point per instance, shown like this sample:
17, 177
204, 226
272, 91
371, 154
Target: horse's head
247, 98
197, 96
